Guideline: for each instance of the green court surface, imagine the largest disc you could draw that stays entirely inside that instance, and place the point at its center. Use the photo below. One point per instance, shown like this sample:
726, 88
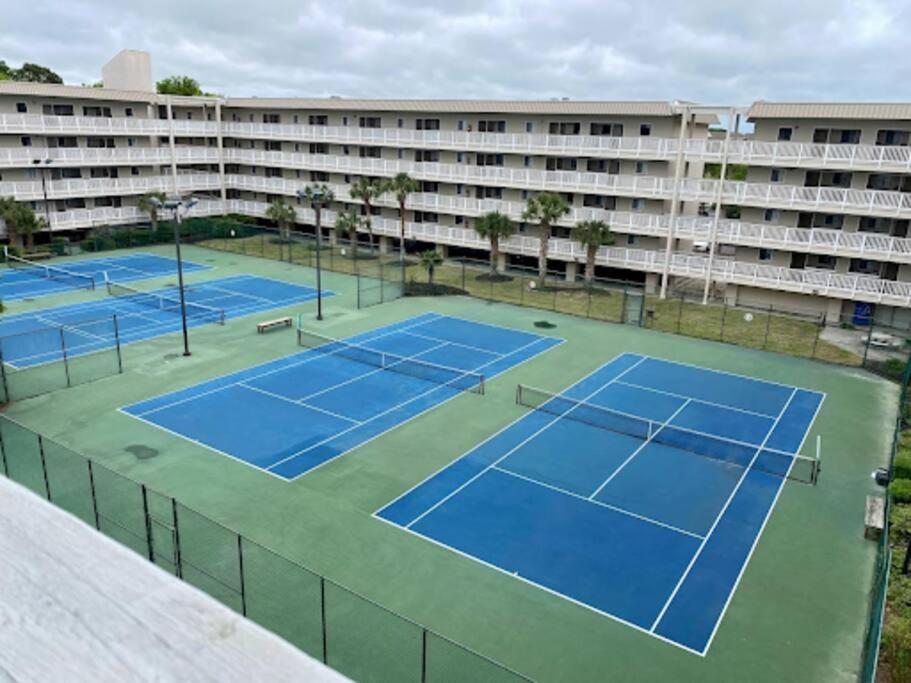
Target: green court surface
798, 614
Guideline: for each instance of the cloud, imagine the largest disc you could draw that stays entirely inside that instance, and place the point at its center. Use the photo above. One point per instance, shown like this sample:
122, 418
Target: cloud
583, 49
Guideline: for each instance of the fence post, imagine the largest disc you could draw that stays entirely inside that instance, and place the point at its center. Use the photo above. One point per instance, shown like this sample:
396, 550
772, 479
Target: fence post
66, 365
680, 313
463, 274
424, 652
240, 566
322, 613
819, 325
724, 315
6, 397
94, 496
863, 363
358, 282
150, 544
3, 455
768, 324
178, 560
47, 486
117, 345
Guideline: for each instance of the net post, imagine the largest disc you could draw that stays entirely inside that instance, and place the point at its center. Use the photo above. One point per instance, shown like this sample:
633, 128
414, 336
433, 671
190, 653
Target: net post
148, 522
47, 485
322, 618
66, 365
117, 345
95, 514
424, 650
240, 567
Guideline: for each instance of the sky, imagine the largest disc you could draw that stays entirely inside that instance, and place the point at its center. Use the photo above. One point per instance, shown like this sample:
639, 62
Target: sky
699, 50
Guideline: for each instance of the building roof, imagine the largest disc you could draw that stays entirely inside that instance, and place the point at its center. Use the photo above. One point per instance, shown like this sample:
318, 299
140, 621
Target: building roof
568, 107
88, 93
830, 110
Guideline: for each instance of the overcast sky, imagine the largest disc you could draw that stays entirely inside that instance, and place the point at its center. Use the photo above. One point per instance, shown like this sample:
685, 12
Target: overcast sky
700, 50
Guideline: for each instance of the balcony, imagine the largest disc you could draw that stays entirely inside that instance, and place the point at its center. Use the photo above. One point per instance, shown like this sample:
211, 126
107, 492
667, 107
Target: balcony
36, 124
62, 189
25, 157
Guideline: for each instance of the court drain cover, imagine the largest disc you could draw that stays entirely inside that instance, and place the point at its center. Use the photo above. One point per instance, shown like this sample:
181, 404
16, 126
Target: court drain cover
544, 324
142, 452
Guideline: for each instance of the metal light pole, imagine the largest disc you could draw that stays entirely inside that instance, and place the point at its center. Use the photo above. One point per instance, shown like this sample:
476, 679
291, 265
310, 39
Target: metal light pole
175, 204
316, 197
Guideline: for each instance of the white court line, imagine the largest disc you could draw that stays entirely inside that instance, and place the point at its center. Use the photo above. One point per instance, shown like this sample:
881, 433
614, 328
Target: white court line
697, 400
720, 515
768, 515
434, 388
638, 450
722, 372
452, 343
306, 357
376, 369
620, 510
299, 404
512, 450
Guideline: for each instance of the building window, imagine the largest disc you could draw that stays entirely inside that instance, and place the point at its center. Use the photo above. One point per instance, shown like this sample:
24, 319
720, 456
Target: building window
526, 162
400, 123
131, 142
322, 120
897, 138
134, 170
565, 128
460, 188
346, 150
459, 157
637, 204
430, 186
524, 194
344, 120
632, 239
370, 122
426, 155
606, 129
26, 141
491, 126
776, 175
460, 125
765, 254
490, 159
296, 119
459, 220
641, 167
401, 153
784, 134
317, 148
21, 108
529, 127
427, 124
645, 129
770, 215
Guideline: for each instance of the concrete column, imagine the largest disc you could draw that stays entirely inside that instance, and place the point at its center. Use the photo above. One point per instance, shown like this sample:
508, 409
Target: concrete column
572, 269
833, 311
501, 262
651, 283
333, 237
730, 295
442, 250
384, 245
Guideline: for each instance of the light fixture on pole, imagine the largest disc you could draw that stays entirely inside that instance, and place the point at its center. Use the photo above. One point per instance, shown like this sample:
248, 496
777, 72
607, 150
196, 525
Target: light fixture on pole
175, 204
47, 211
317, 196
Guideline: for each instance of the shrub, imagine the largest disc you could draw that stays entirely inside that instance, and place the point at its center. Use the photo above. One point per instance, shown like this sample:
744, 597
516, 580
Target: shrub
902, 467
58, 246
901, 490
896, 646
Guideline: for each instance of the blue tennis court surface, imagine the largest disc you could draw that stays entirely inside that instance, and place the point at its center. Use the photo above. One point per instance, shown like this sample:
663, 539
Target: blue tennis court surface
293, 414
639, 492
38, 337
28, 283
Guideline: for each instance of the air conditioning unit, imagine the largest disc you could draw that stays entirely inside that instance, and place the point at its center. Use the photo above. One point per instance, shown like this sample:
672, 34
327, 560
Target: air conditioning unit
701, 247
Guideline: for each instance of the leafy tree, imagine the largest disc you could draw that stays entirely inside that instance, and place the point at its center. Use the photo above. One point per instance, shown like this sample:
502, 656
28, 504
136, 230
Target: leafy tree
317, 196
348, 221
147, 206
401, 186
178, 85
20, 220
284, 216
429, 262
35, 73
591, 235
494, 226
544, 208
6, 74
366, 190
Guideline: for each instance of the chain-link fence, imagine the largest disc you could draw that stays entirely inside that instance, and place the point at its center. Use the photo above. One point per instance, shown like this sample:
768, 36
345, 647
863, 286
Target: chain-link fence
349, 632
880, 344
52, 356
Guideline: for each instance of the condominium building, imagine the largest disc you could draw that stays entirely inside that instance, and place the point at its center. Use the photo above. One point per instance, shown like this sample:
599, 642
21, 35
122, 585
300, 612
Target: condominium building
818, 225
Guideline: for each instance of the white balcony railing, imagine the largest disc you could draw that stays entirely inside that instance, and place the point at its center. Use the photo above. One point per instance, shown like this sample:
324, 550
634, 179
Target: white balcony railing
36, 124
62, 189
26, 157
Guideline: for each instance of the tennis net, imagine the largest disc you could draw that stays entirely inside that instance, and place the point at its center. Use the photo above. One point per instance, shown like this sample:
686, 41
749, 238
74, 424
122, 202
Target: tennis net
50, 272
431, 372
739, 453
167, 304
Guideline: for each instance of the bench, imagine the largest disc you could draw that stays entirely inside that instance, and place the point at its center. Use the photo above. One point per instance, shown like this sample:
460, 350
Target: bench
38, 255
271, 324
874, 517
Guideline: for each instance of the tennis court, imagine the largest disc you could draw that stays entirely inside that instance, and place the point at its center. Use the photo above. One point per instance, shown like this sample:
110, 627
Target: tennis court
639, 492
34, 338
27, 280
290, 415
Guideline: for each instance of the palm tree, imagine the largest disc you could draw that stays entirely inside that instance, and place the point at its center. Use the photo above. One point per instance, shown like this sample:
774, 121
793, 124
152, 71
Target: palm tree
317, 196
401, 186
20, 220
544, 208
494, 226
591, 235
348, 221
429, 262
147, 205
284, 215
366, 190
